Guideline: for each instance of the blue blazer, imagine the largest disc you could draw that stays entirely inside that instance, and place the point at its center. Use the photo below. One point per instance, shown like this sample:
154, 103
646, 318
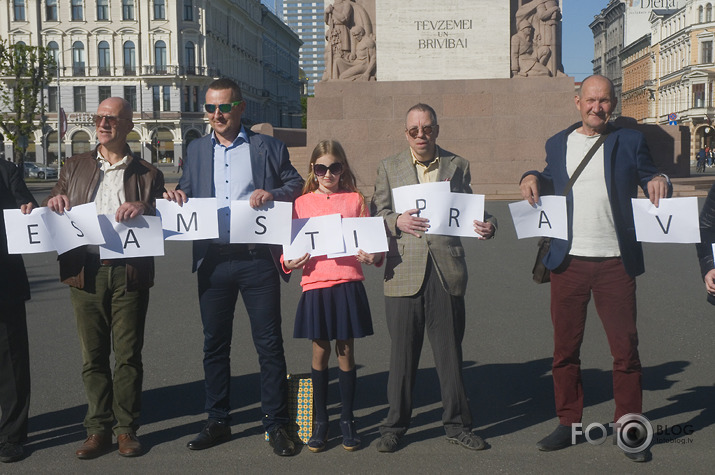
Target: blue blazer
271, 168
627, 165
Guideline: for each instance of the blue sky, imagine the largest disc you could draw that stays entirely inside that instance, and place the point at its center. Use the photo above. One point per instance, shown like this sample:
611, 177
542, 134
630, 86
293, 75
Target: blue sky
577, 39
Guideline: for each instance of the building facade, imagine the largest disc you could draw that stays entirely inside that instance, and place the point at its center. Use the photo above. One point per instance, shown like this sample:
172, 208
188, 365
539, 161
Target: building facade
307, 19
159, 55
608, 29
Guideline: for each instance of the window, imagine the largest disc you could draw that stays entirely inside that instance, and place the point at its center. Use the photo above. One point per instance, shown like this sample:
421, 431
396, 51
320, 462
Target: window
166, 97
51, 10
187, 98
160, 57
700, 14
77, 10
159, 10
698, 95
103, 58
19, 10
156, 100
54, 52
190, 52
195, 98
130, 68
709, 13
80, 99
52, 99
707, 49
78, 58
102, 10
127, 9
105, 92
130, 94
188, 10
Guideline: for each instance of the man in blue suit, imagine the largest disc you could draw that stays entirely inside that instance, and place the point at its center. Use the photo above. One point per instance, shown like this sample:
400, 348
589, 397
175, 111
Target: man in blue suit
234, 164
601, 256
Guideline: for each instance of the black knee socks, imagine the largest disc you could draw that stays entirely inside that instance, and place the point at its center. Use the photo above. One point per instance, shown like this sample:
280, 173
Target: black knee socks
320, 394
346, 382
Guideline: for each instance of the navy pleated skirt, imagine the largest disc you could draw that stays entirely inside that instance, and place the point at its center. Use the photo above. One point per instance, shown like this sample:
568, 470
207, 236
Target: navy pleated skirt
339, 312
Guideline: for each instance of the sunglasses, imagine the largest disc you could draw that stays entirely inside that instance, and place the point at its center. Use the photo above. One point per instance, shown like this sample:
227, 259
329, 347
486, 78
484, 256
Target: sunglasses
335, 169
427, 129
110, 118
223, 108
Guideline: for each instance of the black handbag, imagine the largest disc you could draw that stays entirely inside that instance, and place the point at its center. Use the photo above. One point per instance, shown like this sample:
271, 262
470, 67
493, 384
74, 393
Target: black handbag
540, 273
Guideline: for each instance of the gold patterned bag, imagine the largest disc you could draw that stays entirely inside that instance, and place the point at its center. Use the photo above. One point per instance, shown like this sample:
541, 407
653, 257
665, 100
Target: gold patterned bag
300, 407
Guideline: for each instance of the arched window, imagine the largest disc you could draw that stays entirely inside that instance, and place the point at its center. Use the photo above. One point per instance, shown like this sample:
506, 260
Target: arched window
709, 13
103, 58
78, 58
130, 61
54, 51
190, 51
160, 57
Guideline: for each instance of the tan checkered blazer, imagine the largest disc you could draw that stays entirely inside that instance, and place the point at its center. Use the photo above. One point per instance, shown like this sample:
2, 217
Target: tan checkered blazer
407, 258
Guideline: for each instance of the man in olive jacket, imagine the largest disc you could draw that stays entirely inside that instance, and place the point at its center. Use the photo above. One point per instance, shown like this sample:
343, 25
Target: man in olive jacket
110, 297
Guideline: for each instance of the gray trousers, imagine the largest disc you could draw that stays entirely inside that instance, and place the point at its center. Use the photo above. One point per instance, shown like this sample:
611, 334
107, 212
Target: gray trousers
443, 316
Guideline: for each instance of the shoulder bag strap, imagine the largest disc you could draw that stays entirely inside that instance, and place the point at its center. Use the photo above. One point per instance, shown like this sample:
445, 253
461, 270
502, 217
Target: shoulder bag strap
584, 162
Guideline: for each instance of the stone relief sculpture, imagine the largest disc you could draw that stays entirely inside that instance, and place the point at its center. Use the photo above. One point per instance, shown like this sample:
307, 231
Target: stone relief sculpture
535, 45
350, 42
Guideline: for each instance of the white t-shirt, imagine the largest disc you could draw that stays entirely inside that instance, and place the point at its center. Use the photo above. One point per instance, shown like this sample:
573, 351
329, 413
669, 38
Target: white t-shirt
594, 233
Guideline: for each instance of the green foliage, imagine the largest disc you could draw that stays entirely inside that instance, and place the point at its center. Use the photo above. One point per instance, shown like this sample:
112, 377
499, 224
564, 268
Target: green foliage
24, 72
304, 111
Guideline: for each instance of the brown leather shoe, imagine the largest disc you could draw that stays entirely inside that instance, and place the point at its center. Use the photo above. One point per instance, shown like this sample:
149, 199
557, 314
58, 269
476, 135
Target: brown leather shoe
94, 446
129, 445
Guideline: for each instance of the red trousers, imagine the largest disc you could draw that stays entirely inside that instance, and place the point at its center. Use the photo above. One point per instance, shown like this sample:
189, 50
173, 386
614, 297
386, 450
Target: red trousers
614, 294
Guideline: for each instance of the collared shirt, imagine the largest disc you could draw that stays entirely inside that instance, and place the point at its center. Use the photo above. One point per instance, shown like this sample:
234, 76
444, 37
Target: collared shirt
109, 195
427, 173
233, 179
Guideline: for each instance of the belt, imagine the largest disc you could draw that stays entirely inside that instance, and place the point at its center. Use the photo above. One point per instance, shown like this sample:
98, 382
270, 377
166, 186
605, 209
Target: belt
94, 258
593, 259
237, 251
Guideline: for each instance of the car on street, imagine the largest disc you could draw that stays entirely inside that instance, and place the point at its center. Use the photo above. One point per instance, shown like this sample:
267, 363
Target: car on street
37, 170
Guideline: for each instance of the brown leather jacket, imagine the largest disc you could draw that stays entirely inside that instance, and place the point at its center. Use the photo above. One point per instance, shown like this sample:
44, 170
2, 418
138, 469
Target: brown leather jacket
78, 180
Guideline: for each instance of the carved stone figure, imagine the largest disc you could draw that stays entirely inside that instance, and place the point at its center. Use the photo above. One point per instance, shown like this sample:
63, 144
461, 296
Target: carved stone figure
524, 60
350, 42
543, 16
361, 66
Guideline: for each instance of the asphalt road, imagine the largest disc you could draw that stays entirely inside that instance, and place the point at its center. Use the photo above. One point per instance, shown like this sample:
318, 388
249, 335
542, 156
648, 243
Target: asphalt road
507, 372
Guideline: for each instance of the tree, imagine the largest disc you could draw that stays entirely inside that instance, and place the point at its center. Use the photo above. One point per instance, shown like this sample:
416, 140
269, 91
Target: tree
24, 72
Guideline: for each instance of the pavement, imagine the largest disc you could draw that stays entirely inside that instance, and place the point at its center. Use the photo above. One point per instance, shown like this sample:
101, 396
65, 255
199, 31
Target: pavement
507, 355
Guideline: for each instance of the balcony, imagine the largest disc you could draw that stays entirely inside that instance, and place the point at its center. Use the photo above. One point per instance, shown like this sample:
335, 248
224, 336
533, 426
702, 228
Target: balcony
130, 70
103, 71
160, 70
78, 69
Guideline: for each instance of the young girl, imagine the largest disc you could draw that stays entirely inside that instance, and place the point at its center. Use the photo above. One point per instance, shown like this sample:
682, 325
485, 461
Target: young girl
334, 304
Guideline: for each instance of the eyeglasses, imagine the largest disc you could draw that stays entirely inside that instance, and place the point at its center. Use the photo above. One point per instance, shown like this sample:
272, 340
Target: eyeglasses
223, 108
335, 168
427, 130
112, 119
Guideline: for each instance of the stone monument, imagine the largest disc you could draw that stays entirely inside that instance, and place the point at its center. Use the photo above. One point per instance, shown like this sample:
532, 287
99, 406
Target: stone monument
490, 68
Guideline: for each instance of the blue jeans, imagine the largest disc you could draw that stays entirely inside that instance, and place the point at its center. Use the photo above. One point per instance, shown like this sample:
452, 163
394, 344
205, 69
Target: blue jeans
255, 276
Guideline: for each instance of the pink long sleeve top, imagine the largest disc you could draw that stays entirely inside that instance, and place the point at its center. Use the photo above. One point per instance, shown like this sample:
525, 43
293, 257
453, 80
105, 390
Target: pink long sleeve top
320, 272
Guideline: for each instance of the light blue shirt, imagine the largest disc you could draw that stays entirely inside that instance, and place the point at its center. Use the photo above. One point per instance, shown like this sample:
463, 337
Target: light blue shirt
233, 179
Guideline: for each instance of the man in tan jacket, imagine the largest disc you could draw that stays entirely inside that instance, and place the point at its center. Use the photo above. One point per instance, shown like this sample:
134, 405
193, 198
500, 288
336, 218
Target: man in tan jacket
425, 281
110, 297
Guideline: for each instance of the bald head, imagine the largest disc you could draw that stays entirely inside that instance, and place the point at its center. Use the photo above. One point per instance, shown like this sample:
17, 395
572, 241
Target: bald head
597, 79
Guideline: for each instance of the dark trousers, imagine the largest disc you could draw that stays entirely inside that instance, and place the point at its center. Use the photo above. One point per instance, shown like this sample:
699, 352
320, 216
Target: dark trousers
614, 294
110, 317
254, 275
443, 316
14, 372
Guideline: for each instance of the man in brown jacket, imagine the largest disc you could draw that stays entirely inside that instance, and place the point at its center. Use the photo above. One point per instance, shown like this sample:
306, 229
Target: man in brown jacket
110, 297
